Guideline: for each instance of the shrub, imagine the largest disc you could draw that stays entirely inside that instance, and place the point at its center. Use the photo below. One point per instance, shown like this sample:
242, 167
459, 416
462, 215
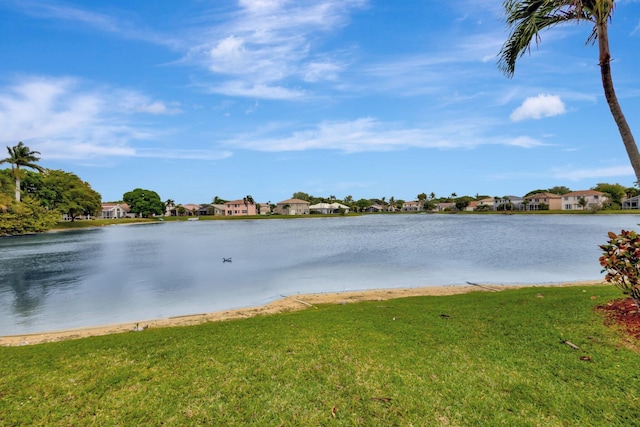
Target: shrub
621, 261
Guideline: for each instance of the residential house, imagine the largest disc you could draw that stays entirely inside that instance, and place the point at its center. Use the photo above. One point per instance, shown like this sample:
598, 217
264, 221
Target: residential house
191, 209
239, 208
631, 203
328, 208
114, 211
514, 203
413, 206
293, 207
375, 208
446, 206
535, 201
584, 199
264, 208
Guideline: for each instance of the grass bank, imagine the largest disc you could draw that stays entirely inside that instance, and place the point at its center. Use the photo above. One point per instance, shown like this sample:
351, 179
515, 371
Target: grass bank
475, 359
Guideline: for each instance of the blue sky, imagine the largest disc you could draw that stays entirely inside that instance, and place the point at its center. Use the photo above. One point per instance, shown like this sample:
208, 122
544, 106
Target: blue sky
370, 98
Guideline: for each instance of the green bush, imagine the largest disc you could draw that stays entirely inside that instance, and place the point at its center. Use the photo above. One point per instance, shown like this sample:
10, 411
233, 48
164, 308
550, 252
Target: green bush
25, 217
621, 260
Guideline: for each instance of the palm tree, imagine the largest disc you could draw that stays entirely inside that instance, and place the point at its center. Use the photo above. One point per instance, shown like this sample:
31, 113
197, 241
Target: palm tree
21, 155
527, 18
248, 200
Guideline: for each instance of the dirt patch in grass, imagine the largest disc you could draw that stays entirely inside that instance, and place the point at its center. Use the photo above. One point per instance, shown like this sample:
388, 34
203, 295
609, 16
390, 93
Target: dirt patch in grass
624, 314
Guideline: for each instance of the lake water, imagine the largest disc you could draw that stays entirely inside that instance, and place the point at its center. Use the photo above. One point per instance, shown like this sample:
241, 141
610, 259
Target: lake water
135, 273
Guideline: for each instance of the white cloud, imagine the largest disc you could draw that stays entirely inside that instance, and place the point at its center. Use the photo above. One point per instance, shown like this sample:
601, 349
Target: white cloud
63, 119
268, 42
368, 134
538, 107
525, 142
578, 174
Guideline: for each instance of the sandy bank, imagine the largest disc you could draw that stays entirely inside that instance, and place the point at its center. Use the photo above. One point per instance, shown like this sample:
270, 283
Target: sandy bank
295, 302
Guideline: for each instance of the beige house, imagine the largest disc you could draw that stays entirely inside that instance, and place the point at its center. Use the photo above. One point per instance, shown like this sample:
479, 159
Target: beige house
535, 201
412, 206
114, 210
584, 199
293, 207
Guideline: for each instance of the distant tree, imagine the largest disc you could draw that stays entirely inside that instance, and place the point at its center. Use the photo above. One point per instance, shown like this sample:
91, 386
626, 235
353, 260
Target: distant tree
218, 201
582, 202
348, 199
181, 210
21, 156
632, 191
301, 196
528, 18
65, 192
143, 203
541, 190
422, 197
363, 204
7, 191
248, 200
616, 192
559, 189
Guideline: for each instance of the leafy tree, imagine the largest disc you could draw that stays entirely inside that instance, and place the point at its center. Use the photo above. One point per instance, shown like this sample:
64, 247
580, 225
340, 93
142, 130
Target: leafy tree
301, 196
144, 203
559, 189
63, 191
535, 192
363, 204
422, 197
21, 156
218, 201
616, 192
29, 216
528, 18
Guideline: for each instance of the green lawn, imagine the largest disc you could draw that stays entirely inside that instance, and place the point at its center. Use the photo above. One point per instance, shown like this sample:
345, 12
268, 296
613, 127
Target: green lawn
476, 359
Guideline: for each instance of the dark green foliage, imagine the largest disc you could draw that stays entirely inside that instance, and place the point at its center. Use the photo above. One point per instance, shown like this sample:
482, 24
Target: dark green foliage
27, 216
63, 191
144, 203
621, 262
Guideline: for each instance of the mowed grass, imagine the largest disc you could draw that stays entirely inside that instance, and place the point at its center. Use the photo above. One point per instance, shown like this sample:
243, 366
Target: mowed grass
476, 359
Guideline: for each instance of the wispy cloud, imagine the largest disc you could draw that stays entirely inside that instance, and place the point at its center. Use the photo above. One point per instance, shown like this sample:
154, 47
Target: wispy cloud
579, 174
64, 119
370, 135
269, 42
50, 10
538, 107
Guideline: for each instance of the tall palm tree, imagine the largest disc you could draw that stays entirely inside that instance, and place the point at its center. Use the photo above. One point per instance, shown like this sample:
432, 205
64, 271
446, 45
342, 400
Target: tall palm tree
21, 155
527, 18
248, 200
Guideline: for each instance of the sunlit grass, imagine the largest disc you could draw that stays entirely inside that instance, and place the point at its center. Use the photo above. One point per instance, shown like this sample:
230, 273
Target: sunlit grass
475, 359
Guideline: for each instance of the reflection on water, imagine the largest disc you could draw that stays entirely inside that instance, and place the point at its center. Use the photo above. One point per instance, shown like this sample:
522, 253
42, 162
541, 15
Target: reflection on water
133, 273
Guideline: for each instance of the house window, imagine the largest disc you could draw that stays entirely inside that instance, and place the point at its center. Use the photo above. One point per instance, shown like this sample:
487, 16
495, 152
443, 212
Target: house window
568, 206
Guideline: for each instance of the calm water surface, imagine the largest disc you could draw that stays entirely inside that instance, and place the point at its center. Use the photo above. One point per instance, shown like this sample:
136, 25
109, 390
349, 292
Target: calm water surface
134, 273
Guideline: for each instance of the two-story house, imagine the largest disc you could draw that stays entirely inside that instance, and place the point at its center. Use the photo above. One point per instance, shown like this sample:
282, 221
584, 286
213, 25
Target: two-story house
584, 199
292, 207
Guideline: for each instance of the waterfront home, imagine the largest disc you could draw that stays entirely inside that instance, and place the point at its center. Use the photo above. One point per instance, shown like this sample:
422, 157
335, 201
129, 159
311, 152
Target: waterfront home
631, 203
114, 211
292, 207
264, 208
413, 206
583, 199
445, 206
328, 208
537, 201
239, 208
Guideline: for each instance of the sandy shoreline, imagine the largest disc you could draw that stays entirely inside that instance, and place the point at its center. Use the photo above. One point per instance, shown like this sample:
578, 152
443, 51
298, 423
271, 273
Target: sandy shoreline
290, 303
